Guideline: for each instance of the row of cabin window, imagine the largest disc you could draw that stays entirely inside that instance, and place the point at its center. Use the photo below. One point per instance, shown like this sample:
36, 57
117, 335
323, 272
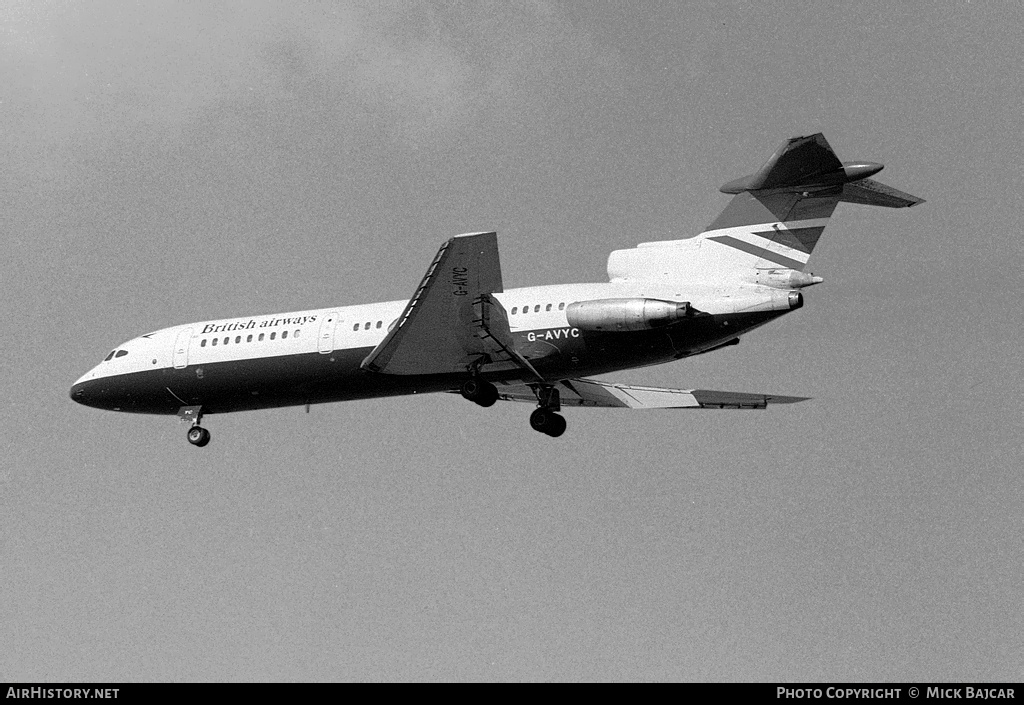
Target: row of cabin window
536, 308
526, 309
248, 338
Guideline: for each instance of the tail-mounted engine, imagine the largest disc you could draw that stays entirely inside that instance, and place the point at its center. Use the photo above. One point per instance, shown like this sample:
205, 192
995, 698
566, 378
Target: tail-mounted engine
783, 278
626, 314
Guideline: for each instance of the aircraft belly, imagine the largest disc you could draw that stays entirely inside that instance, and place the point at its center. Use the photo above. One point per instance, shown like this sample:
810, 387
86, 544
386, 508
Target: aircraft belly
705, 332
259, 383
309, 378
596, 352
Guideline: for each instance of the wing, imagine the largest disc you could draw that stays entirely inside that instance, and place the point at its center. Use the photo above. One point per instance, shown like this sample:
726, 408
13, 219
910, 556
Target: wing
592, 392
452, 323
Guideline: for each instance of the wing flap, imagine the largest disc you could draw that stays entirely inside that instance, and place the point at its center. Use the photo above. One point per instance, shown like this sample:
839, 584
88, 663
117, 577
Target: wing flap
709, 399
592, 392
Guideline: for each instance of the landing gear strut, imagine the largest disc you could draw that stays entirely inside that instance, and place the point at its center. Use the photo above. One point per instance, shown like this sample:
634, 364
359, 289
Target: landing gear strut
479, 391
545, 417
197, 435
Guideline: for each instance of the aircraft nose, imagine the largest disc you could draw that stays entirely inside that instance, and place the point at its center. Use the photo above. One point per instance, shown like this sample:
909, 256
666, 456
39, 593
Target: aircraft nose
77, 392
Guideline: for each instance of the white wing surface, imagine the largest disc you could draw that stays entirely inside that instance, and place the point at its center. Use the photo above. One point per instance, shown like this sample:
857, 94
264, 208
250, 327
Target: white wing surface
592, 392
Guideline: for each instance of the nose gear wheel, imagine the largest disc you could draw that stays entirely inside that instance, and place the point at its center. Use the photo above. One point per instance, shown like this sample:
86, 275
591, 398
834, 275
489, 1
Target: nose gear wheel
198, 436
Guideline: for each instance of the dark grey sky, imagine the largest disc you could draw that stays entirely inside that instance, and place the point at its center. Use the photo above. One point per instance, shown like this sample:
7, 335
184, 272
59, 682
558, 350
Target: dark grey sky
164, 163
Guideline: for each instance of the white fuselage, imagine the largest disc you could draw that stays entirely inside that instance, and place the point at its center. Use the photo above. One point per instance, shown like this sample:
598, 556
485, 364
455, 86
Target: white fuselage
538, 308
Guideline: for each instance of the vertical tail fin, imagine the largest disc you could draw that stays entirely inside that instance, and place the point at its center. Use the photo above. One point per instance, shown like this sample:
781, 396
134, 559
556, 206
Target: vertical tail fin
777, 229
779, 212
775, 217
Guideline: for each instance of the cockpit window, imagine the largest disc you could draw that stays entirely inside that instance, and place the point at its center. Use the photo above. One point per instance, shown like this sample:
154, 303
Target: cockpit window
121, 353
110, 355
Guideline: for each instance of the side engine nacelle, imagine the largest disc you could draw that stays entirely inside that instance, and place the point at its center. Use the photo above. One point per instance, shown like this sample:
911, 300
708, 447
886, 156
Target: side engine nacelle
783, 278
625, 314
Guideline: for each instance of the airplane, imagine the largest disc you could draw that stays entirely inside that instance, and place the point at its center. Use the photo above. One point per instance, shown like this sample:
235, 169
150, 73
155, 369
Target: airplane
462, 332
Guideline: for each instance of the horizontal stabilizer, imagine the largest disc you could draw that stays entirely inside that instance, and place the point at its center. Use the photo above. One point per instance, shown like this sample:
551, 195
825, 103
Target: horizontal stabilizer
799, 161
871, 193
592, 392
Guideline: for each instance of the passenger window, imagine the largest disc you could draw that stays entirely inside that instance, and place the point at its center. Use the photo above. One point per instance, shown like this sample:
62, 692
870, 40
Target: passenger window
249, 338
121, 353
536, 309
367, 326
561, 306
261, 336
238, 339
548, 307
380, 323
215, 340
110, 355
284, 335
296, 333
227, 340
514, 310
273, 335
202, 344
355, 327
526, 309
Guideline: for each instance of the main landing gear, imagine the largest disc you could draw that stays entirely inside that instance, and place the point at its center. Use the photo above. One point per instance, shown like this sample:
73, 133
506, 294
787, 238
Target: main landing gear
547, 421
197, 435
479, 391
545, 417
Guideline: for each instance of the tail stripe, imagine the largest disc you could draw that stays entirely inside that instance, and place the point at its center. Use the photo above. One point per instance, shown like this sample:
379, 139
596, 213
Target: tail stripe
752, 249
797, 234
802, 239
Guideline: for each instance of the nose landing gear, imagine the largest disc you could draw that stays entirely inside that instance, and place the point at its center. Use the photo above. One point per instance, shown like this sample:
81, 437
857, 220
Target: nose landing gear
197, 435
